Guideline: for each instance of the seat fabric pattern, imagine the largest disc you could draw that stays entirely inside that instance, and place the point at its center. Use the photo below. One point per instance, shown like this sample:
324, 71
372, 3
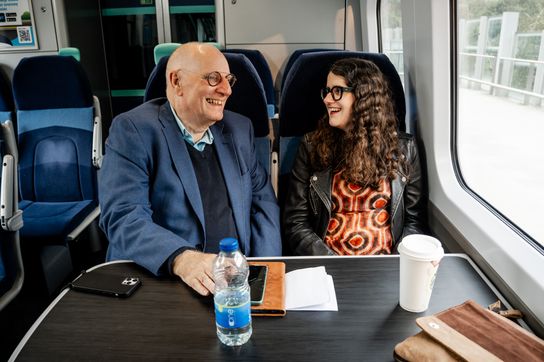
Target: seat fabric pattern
60, 151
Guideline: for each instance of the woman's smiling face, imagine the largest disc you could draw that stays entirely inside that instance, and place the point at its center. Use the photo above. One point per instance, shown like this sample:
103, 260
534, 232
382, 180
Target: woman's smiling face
339, 111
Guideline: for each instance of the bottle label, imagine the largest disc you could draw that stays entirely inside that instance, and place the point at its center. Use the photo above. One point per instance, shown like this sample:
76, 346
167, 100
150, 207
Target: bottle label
237, 316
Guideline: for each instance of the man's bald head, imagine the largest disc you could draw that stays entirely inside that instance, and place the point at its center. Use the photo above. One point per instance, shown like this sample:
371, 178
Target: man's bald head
190, 55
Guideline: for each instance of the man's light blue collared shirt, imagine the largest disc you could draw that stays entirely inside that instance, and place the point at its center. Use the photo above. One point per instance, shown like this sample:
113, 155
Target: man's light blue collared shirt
207, 139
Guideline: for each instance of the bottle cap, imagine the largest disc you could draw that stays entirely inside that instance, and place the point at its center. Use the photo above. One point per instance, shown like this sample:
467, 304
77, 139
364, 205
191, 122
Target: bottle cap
228, 244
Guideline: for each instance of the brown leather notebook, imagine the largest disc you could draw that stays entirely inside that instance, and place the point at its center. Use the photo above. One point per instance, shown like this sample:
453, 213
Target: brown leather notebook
274, 294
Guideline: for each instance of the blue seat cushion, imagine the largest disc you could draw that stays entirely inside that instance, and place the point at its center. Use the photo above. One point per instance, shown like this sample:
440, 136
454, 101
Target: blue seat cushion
53, 219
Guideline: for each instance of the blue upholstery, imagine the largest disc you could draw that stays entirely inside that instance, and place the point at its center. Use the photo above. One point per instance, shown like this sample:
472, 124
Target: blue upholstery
294, 56
247, 98
46, 82
261, 66
58, 218
156, 83
55, 130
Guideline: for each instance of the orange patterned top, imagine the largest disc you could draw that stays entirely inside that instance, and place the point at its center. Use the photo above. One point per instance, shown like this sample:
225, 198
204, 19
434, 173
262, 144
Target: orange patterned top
360, 223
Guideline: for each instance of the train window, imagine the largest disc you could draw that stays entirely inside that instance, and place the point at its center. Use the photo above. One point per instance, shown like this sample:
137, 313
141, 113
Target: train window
500, 107
390, 20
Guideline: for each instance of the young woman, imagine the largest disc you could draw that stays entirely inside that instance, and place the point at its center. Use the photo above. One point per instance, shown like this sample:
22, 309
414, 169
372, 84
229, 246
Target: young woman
356, 186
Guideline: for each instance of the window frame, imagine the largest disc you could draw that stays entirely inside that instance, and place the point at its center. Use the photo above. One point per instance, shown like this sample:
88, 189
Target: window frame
458, 218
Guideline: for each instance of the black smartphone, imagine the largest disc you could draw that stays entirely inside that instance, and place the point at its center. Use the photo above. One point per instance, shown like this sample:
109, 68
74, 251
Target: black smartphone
257, 283
122, 286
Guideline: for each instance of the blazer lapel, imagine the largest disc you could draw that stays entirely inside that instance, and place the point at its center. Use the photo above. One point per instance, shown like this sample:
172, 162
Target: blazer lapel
228, 161
182, 160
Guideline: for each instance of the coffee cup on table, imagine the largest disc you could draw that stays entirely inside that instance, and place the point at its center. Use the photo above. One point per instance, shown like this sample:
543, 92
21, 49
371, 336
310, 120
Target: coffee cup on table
419, 258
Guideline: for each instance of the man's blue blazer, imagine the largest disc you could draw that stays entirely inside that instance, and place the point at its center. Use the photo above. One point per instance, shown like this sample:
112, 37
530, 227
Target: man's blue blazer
148, 192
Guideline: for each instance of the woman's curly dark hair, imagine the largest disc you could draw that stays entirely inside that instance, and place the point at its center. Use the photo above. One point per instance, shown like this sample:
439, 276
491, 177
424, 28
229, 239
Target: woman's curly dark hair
369, 150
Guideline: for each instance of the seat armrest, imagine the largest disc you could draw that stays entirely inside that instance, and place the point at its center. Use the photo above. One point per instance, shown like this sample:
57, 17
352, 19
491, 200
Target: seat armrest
274, 171
97, 134
6, 191
93, 215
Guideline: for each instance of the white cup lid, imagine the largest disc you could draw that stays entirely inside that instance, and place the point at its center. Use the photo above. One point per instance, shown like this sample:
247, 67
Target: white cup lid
421, 247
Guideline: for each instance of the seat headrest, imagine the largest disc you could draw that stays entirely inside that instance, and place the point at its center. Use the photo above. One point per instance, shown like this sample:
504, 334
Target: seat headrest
248, 97
156, 83
261, 66
294, 56
51, 81
301, 105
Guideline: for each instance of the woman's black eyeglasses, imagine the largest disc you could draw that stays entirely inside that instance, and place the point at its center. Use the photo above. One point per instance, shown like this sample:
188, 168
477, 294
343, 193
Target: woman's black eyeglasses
336, 92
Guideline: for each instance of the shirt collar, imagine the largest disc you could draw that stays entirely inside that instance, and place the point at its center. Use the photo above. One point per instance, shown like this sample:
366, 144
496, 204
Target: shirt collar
207, 139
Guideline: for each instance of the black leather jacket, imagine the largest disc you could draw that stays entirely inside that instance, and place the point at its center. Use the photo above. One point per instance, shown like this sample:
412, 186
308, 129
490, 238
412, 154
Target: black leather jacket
308, 204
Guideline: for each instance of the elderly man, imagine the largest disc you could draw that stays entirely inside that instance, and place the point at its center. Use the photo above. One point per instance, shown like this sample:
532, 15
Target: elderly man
180, 174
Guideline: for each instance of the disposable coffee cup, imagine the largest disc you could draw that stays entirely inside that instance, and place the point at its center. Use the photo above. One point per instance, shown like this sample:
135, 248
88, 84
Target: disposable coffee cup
419, 259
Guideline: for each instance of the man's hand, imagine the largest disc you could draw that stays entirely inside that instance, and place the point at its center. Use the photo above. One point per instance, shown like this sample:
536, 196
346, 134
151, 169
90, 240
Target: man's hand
196, 270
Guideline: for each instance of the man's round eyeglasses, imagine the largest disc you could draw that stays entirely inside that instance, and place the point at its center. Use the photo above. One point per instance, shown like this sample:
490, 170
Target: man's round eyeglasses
215, 77
336, 92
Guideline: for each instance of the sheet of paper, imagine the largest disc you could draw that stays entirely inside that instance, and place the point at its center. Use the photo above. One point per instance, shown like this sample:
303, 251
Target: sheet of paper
331, 305
309, 289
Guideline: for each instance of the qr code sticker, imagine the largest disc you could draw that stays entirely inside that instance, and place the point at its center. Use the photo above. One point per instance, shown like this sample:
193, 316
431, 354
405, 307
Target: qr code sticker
24, 34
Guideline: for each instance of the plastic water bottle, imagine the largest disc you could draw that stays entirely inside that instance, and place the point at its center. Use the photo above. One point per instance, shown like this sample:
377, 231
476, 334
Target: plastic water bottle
232, 298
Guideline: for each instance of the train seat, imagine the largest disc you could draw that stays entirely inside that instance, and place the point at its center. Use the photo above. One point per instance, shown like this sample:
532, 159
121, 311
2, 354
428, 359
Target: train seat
301, 105
60, 150
261, 66
55, 131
